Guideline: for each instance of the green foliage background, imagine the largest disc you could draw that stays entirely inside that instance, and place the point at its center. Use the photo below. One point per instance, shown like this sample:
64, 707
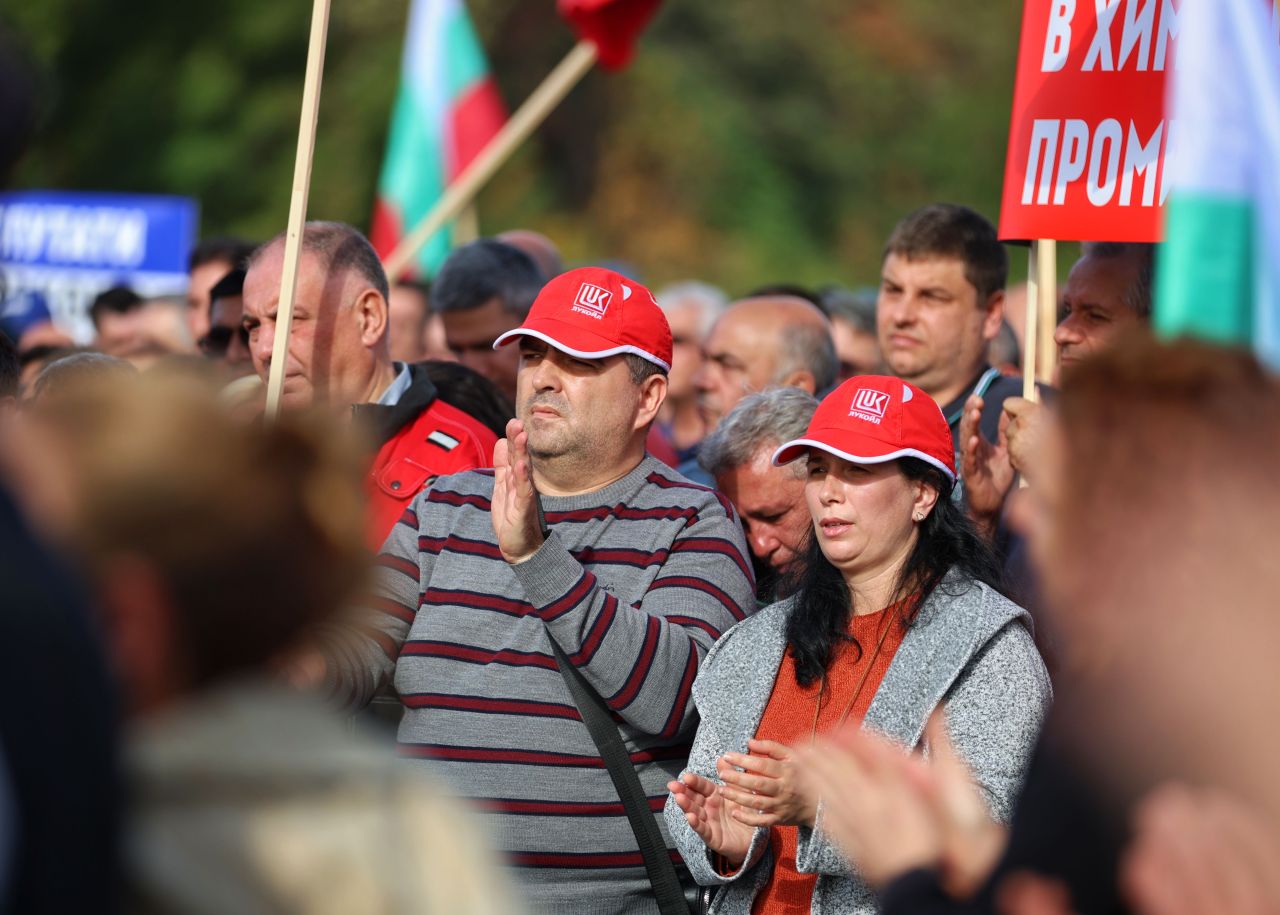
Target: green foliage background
751, 141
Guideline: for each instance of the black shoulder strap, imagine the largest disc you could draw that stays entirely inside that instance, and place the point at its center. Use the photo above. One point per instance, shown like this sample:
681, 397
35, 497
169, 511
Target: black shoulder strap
600, 724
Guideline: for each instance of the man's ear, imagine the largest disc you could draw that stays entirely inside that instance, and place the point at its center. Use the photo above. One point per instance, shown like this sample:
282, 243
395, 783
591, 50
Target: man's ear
373, 315
802, 379
993, 315
653, 391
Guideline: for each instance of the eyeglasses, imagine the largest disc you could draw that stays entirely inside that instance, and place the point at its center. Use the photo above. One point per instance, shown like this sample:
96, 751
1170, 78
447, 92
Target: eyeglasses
216, 342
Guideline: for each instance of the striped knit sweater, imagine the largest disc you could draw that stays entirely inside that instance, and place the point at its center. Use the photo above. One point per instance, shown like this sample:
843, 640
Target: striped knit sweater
636, 581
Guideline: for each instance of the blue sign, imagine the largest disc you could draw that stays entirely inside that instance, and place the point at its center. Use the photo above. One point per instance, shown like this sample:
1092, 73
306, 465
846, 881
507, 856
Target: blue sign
69, 246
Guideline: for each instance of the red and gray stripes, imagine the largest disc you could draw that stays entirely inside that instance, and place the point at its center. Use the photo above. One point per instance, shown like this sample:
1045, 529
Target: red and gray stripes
635, 586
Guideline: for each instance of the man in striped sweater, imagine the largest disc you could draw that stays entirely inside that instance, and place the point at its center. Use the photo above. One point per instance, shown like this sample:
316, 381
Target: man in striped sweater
634, 574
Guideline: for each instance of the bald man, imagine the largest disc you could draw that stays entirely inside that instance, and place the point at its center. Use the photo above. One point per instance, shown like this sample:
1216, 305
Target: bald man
767, 341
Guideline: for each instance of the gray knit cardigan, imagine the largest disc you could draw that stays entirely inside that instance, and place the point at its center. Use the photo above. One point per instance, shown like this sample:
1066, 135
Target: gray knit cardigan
969, 650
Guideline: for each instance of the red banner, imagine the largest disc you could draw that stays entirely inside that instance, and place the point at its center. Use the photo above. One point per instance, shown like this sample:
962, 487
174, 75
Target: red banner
1088, 134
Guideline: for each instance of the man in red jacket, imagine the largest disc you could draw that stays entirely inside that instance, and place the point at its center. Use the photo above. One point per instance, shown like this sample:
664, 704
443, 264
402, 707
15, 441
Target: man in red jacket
338, 354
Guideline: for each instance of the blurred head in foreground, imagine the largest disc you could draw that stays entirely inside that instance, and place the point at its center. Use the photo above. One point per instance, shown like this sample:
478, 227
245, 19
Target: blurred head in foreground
1156, 537
209, 543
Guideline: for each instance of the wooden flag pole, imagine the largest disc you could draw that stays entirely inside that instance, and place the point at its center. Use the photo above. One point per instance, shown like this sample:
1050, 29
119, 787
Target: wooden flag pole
298, 202
1047, 362
1031, 332
506, 141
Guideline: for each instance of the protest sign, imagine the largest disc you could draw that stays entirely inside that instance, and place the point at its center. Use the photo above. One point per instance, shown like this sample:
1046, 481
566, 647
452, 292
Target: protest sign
1088, 134
68, 246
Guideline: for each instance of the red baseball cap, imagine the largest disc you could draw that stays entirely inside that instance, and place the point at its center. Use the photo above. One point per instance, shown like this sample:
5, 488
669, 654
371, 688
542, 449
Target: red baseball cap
871, 419
592, 312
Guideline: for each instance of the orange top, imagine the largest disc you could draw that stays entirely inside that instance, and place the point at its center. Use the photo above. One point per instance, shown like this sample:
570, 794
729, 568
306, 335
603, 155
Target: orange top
788, 719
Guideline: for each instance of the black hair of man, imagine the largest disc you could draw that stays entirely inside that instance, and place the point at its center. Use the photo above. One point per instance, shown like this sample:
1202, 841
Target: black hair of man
949, 230
471, 393
793, 290
229, 286
117, 300
1138, 297
10, 367
483, 270
234, 251
339, 247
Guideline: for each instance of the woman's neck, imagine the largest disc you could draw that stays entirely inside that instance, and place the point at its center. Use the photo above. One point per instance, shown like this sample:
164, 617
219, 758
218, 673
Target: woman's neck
873, 590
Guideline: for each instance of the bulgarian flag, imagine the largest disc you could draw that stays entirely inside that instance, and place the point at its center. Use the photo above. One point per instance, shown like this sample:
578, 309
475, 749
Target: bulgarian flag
1219, 272
446, 110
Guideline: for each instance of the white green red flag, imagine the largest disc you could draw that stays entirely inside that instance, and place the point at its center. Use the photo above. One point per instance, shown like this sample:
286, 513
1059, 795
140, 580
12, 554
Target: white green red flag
1219, 272
446, 109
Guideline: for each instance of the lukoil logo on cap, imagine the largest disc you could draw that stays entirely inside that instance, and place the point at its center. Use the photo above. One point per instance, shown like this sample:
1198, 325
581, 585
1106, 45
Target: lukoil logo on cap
592, 300
869, 405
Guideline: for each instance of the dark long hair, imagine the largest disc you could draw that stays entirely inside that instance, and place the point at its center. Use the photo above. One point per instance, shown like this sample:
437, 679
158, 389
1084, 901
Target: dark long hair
819, 622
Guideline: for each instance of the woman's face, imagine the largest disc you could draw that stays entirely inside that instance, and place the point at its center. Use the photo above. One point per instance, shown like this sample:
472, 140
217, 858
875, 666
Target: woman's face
863, 513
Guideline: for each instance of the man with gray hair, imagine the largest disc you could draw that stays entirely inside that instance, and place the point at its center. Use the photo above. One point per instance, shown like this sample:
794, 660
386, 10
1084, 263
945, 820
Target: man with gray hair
769, 499
691, 308
338, 354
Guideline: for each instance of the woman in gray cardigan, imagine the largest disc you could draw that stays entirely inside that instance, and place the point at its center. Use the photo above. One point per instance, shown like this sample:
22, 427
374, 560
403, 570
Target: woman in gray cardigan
894, 616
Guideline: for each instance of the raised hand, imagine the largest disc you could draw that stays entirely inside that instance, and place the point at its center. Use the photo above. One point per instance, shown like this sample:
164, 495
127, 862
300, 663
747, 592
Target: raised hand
987, 472
515, 507
873, 807
769, 791
1024, 430
711, 815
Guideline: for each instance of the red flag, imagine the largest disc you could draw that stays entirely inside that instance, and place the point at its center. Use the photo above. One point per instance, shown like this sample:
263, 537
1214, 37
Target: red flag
611, 25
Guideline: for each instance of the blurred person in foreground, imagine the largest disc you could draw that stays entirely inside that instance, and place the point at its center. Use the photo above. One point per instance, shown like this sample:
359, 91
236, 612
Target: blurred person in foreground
691, 308
895, 615
210, 261
338, 356
853, 330
941, 302
769, 498
210, 544
482, 290
1152, 689
629, 569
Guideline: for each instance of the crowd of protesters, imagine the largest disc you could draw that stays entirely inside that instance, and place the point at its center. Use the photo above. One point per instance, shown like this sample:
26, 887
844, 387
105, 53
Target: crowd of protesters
777, 541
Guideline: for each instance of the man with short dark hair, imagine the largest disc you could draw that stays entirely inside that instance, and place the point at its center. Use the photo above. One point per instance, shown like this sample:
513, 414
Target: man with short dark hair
1107, 290
140, 330
227, 340
483, 290
577, 538
769, 498
941, 302
337, 354
853, 330
210, 260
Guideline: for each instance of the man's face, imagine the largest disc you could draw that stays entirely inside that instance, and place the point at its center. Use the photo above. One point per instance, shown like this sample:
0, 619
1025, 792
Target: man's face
227, 339
470, 334
739, 358
770, 501
573, 408
933, 330
202, 279
857, 350
1095, 309
686, 352
407, 336
330, 352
